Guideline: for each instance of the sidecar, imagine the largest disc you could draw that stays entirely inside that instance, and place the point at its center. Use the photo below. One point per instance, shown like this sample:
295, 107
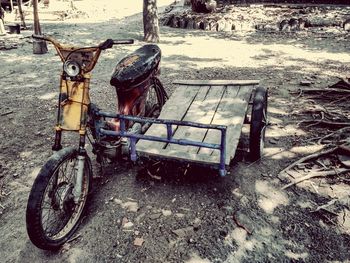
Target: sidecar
201, 123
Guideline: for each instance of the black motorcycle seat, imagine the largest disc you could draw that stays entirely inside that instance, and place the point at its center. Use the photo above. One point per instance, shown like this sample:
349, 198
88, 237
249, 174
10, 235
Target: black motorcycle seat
136, 67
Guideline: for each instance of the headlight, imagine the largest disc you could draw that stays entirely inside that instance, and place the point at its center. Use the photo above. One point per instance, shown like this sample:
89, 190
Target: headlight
72, 68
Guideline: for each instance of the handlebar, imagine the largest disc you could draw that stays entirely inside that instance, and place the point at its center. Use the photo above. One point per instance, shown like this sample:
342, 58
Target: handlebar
123, 41
104, 45
64, 51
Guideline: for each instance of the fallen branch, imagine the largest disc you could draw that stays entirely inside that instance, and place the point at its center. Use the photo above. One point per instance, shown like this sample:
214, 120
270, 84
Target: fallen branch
343, 83
325, 122
6, 113
306, 158
332, 202
317, 174
318, 122
327, 90
333, 133
341, 99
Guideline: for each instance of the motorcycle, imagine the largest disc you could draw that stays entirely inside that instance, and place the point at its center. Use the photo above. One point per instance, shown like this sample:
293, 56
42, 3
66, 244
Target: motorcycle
61, 190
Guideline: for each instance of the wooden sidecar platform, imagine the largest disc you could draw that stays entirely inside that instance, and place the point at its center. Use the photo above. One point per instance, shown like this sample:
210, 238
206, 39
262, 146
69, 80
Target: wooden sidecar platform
219, 102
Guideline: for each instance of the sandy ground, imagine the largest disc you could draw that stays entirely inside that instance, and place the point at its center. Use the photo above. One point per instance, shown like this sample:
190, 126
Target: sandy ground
279, 225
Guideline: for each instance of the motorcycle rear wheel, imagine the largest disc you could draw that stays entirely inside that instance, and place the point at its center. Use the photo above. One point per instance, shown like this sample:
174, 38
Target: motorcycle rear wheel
156, 98
52, 216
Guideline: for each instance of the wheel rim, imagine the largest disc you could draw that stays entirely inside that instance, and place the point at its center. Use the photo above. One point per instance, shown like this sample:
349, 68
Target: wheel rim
59, 212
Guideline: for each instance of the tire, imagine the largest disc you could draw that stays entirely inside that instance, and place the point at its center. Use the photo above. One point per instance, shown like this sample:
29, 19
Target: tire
56, 178
156, 99
258, 124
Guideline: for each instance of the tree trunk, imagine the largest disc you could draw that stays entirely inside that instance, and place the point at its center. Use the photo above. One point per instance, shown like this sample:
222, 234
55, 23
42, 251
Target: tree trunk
203, 6
150, 21
39, 46
21, 14
2, 15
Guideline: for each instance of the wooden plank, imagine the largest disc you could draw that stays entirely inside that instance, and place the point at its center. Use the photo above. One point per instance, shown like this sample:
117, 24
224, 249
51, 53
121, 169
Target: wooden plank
201, 111
229, 109
175, 108
231, 112
217, 82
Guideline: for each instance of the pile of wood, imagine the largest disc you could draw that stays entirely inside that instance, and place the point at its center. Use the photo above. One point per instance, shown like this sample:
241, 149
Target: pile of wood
286, 19
194, 21
245, 2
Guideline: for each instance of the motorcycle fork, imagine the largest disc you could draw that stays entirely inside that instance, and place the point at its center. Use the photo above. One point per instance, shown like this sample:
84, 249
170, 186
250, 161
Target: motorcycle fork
80, 169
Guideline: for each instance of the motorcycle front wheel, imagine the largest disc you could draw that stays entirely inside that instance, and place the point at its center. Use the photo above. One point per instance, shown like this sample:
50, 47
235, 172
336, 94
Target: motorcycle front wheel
52, 215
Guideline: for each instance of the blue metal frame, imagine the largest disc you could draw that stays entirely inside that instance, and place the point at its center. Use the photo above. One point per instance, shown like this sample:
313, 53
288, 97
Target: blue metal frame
168, 123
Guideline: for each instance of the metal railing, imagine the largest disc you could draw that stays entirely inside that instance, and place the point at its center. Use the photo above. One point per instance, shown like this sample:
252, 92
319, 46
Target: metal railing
169, 139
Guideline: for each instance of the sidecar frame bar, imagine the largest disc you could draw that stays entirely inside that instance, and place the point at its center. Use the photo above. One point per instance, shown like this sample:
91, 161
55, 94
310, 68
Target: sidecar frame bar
169, 139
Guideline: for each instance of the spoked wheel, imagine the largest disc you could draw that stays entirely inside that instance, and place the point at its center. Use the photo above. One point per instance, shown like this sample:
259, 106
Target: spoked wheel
258, 123
156, 98
52, 213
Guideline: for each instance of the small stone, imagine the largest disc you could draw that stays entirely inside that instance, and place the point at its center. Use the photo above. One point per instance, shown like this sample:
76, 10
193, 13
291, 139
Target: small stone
236, 192
180, 215
117, 201
139, 217
197, 222
166, 212
266, 175
137, 233
305, 83
182, 232
228, 209
130, 206
138, 241
128, 225
155, 216
244, 201
124, 221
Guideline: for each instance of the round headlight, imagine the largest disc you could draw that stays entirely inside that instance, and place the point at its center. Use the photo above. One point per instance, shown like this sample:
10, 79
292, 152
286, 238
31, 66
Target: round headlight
72, 68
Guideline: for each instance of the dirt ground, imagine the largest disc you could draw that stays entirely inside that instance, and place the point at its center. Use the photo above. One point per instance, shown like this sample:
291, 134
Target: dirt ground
182, 217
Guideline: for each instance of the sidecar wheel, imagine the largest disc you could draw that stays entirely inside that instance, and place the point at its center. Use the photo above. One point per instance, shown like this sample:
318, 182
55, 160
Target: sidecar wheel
52, 216
258, 124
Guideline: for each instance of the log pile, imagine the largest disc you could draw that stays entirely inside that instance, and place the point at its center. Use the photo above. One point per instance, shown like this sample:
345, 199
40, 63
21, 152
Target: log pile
284, 18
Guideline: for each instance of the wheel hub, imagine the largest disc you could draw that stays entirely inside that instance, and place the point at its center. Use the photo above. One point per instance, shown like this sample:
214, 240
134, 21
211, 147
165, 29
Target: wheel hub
63, 199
